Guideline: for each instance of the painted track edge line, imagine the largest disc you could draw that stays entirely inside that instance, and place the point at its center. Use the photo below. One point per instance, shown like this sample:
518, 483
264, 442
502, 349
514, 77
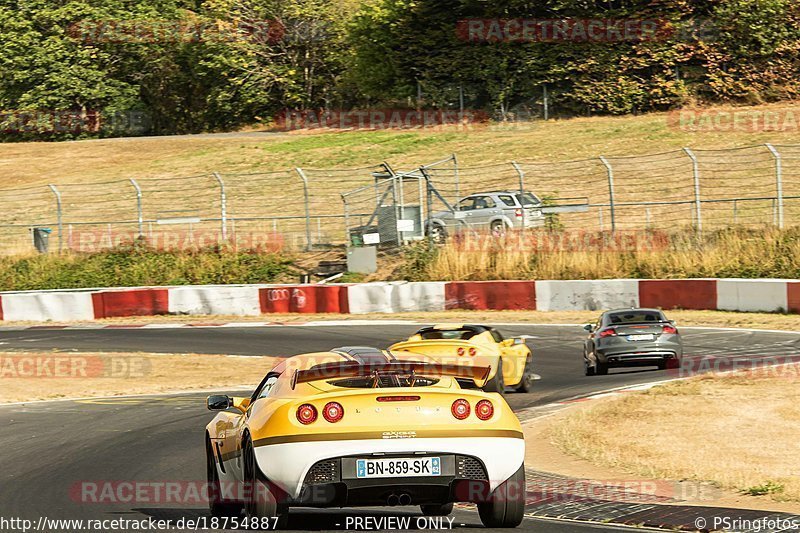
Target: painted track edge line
167, 394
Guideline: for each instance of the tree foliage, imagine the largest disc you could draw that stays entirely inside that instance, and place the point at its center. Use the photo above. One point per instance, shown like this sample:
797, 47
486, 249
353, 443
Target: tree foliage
319, 54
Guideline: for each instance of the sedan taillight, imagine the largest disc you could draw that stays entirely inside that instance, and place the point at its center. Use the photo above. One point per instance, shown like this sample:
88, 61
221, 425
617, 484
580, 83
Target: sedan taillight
670, 330
519, 213
609, 332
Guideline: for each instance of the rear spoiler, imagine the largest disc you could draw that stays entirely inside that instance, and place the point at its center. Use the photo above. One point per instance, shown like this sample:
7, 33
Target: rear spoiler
355, 369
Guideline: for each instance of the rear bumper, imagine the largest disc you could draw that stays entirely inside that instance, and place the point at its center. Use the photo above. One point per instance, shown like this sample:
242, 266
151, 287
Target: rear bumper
288, 465
638, 358
333, 483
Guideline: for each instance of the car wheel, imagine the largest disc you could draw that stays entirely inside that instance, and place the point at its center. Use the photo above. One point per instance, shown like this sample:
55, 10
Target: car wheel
662, 365
498, 229
496, 384
506, 505
437, 510
588, 369
526, 385
216, 505
261, 501
437, 234
601, 368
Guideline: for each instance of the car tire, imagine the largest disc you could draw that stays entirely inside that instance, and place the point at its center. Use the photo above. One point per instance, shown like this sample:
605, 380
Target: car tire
601, 368
496, 384
437, 233
437, 510
498, 229
588, 369
526, 385
218, 507
262, 501
506, 505
662, 365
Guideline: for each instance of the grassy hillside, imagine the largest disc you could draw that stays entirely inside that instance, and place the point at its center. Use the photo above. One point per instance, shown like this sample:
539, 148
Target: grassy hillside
92, 161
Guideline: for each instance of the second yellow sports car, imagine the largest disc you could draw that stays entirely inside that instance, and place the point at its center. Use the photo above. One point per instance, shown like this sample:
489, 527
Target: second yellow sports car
510, 360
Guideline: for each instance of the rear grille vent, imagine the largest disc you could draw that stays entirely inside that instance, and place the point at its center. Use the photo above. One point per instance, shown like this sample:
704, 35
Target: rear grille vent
323, 472
469, 468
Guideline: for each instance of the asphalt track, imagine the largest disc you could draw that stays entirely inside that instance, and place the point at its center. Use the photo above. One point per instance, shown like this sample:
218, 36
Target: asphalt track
48, 449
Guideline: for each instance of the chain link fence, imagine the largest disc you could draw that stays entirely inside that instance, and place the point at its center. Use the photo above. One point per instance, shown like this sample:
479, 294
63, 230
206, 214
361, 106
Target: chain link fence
298, 209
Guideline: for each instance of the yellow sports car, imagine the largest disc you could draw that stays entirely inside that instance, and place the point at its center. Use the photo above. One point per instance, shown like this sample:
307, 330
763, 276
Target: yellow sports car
510, 360
363, 427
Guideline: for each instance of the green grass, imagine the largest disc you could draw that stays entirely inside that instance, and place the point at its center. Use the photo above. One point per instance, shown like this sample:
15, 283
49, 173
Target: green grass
142, 266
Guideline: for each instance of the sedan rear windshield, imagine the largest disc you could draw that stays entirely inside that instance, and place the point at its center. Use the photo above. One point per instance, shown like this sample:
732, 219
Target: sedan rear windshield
636, 317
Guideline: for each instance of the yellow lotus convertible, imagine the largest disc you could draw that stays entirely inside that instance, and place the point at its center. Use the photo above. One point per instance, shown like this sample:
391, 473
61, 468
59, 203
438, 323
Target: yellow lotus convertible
510, 359
361, 427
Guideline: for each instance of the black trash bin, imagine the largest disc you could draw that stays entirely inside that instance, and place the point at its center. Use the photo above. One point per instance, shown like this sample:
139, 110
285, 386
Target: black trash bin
41, 239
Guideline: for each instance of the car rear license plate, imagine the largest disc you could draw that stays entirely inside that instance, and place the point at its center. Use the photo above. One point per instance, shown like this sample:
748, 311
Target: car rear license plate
642, 337
381, 468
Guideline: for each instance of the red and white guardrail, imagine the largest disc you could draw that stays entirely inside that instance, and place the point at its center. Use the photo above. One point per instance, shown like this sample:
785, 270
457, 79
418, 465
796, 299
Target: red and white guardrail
766, 295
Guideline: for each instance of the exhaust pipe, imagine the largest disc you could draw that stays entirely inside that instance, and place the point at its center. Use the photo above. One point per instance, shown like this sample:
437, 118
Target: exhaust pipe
392, 500
405, 499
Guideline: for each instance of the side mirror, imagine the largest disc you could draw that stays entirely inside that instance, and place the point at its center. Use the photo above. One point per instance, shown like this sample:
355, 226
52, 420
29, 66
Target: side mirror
588, 327
219, 403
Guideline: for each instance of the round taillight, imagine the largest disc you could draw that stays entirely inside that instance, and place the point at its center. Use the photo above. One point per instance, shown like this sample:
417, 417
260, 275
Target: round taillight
460, 352
460, 409
333, 412
484, 410
306, 414
472, 352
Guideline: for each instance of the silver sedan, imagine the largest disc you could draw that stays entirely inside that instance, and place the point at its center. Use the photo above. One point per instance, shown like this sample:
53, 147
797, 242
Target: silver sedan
631, 337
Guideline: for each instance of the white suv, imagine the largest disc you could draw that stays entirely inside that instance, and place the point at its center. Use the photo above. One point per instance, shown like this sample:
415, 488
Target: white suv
497, 211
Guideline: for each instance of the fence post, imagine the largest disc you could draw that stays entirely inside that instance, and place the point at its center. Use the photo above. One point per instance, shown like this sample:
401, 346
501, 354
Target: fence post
610, 170
696, 174
778, 181
223, 197
521, 174
139, 215
457, 177
307, 201
60, 215
347, 238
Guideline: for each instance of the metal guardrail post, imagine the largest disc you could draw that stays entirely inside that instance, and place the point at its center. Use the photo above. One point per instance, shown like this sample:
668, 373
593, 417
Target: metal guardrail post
59, 214
778, 182
696, 175
139, 214
611, 199
521, 174
223, 196
307, 200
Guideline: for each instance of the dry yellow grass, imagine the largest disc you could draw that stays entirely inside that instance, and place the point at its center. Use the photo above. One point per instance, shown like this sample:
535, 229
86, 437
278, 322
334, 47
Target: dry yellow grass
91, 161
737, 431
765, 253
70, 375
